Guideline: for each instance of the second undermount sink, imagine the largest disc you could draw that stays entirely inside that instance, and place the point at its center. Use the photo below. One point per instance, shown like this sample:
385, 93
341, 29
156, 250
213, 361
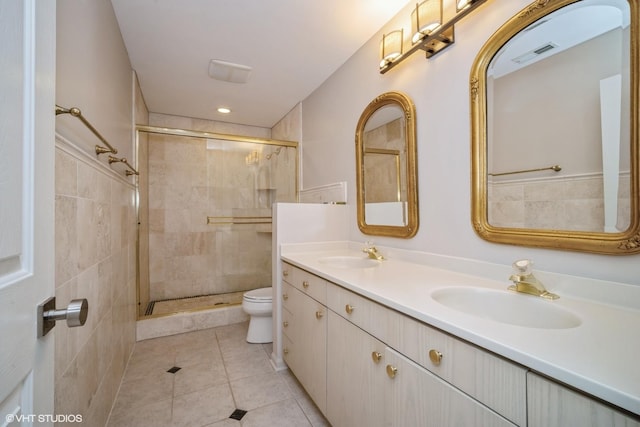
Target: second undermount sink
349, 262
507, 307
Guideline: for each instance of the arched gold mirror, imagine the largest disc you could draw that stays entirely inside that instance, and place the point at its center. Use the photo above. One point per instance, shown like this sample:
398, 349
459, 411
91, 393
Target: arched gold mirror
386, 173
555, 143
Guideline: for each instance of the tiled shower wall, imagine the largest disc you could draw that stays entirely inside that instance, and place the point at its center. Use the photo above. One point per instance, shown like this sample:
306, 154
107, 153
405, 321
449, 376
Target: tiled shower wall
187, 184
95, 259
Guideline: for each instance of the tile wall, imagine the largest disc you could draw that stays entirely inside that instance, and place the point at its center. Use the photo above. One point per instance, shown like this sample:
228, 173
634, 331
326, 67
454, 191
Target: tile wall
533, 203
189, 182
95, 255
383, 171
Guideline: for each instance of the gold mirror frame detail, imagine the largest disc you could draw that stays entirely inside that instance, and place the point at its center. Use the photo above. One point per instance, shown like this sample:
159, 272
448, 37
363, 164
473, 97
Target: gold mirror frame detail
627, 242
406, 105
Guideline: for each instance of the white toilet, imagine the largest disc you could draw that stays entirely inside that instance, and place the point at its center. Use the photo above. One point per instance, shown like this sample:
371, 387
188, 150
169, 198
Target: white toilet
258, 304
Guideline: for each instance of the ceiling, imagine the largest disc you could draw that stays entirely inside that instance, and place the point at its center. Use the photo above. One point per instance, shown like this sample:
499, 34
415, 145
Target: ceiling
549, 36
292, 46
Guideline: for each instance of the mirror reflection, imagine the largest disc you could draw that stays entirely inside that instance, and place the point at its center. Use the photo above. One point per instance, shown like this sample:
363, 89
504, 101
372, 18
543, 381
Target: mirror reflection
385, 152
554, 118
384, 167
558, 152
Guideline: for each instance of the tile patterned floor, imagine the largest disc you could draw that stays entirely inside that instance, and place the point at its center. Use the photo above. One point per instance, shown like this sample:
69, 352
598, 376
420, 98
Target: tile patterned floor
219, 373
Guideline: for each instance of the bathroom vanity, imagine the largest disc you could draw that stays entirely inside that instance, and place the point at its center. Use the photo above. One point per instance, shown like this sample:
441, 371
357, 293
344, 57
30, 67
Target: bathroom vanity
381, 343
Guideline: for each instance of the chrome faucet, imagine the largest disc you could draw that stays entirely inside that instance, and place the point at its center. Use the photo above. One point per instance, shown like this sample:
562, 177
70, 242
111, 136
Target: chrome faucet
372, 251
524, 281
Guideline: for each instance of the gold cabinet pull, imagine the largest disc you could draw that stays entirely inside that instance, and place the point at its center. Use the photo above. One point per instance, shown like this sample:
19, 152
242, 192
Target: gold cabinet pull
285, 273
319, 314
285, 323
392, 371
435, 356
285, 350
349, 308
305, 284
376, 356
285, 297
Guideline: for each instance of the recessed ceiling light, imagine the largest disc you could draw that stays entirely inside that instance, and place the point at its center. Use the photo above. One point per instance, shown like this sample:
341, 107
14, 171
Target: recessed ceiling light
224, 110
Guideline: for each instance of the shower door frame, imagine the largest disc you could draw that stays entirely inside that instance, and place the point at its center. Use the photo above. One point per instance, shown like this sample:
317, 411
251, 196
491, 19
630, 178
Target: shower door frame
202, 135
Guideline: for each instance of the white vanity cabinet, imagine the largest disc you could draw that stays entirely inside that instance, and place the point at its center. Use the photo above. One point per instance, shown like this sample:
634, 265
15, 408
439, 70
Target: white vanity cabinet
491, 380
355, 375
552, 405
438, 380
416, 397
304, 330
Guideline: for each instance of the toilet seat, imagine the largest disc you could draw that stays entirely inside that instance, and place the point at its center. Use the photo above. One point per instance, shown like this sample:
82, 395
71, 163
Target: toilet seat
259, 295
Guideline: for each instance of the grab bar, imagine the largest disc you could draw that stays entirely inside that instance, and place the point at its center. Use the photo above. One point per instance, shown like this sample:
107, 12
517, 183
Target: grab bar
555, 168
130, 172
220, 220
75, 112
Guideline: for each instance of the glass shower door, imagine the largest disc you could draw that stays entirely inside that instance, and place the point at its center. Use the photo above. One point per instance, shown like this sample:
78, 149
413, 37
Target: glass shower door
208, 206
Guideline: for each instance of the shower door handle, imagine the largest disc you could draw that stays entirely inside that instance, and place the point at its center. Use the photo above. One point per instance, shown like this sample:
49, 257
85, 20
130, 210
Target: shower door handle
75, 314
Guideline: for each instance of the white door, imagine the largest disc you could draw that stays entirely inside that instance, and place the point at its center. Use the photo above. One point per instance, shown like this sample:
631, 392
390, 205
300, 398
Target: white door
27, 141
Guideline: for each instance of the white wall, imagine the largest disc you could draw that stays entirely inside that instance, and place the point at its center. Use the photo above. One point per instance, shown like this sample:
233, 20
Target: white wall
93, 73
440, 90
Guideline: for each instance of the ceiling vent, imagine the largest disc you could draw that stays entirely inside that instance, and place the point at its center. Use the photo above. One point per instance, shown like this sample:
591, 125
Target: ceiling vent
228, 71
528, 56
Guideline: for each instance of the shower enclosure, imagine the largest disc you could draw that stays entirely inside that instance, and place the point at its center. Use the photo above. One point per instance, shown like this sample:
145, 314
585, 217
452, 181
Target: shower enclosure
205, 216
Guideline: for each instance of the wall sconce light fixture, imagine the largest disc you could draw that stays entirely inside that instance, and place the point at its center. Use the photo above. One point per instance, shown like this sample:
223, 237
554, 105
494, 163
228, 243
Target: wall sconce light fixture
391, 47
429, 32
426, 17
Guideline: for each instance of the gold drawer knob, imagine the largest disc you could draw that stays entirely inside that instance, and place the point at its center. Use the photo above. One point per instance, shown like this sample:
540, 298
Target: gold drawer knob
305, 284
349, 308
319, 314
285, 297
285, 273
392, 371
285, 350
376, 356
435, 356
285, 323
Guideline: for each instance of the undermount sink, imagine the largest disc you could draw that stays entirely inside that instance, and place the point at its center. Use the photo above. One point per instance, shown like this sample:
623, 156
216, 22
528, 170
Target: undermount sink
507, 307
349, 262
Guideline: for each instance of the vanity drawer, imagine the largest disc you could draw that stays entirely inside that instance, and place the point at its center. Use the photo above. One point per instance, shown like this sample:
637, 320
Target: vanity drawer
306, 282
290, 352
376, 319
492, 380
288, 296
288, 323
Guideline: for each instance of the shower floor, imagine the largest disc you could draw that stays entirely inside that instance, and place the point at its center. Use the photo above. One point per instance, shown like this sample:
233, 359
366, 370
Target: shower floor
199, 302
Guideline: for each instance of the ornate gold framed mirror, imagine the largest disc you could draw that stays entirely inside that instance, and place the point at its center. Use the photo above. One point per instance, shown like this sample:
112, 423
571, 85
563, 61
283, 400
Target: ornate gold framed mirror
386, 172
554, 117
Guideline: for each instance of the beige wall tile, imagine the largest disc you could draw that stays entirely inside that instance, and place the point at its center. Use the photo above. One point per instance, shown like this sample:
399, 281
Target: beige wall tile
66, 174
95, 259
66, 253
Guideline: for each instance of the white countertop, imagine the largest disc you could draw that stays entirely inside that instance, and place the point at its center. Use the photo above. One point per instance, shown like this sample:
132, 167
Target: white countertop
600, 356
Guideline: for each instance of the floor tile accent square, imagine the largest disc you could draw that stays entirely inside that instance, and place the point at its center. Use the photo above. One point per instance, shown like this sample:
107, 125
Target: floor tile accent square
174, 369
238, 414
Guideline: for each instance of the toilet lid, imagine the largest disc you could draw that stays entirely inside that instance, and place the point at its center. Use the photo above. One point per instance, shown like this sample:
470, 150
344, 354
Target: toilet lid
262, 294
